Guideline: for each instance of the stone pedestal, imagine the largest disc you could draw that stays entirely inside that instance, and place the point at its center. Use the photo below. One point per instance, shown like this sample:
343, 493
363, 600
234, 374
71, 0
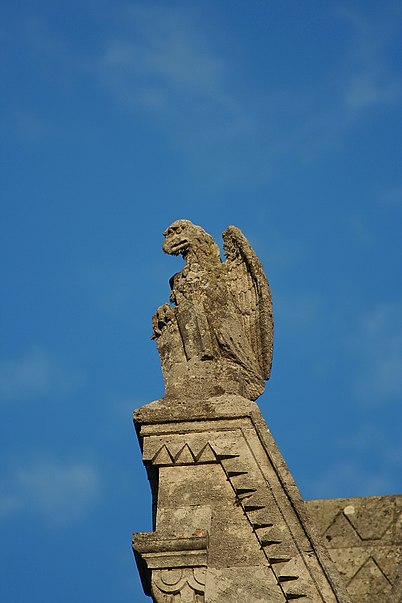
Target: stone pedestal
230, 524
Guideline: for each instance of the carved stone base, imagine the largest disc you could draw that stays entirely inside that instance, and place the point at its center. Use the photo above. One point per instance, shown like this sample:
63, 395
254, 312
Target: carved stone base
216, 470
207, 378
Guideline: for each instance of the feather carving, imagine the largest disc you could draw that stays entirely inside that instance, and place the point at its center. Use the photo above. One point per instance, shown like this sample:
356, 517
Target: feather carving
249, 287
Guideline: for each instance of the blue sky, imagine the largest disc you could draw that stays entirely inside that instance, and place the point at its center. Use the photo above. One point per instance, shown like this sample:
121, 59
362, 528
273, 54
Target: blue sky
283, 118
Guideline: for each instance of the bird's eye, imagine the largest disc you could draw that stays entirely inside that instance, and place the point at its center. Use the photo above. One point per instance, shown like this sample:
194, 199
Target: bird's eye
179, 229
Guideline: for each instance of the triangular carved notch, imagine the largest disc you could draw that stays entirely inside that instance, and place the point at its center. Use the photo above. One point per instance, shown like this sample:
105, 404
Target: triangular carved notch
244, 492
270, 537
184, 456
162, 457
206, 455
289, 571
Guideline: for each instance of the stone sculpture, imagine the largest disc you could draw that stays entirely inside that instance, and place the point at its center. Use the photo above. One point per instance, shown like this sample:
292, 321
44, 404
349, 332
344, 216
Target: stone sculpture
229, 523
217, 336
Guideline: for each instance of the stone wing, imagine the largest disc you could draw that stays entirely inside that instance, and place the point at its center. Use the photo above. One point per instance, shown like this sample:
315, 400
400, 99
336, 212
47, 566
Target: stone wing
252, 296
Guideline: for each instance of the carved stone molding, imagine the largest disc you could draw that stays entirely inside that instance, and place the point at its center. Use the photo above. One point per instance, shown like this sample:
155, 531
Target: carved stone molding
177, 451
181, 585
172, 569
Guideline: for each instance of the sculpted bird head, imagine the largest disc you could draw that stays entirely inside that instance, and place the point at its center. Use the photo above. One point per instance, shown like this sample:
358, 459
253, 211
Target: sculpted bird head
177, 237
183, 237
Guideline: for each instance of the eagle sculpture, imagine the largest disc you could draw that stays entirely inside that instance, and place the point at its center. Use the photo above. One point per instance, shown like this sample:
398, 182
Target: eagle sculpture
216, 337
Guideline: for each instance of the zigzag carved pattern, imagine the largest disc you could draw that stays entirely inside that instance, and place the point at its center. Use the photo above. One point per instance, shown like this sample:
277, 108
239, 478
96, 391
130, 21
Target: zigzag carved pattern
372, 575
273, 542
185, 456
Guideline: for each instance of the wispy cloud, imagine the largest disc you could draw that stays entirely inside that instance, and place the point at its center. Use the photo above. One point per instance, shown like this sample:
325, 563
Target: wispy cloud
377, 347
25, 126
351, 478
370, 88
55, 492
164, 63
372, 81
369, 463
34, 374
391, 197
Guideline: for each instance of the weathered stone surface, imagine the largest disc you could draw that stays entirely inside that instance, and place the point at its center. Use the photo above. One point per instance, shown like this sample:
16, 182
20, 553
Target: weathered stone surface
364, 539
230, 524
217, 336
219, 472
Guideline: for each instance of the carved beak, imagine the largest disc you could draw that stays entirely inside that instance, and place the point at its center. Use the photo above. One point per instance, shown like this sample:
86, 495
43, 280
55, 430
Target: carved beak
174, 245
